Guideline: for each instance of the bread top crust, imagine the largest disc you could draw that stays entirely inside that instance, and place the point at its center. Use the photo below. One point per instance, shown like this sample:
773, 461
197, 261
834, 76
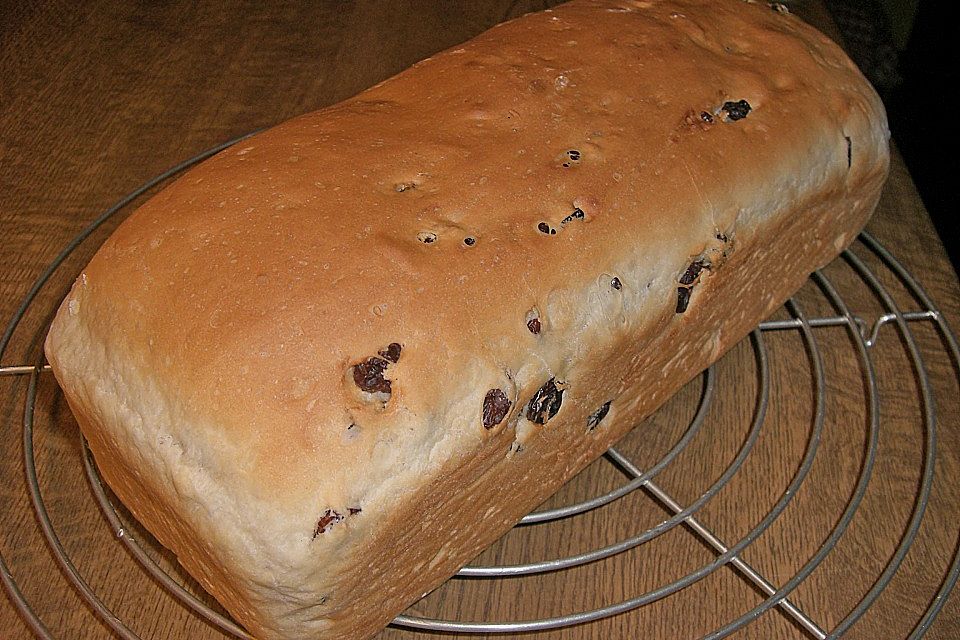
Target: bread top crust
438, 211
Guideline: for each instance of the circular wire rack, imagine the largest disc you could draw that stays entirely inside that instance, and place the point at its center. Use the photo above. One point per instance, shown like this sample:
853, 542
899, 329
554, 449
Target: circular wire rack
864, 338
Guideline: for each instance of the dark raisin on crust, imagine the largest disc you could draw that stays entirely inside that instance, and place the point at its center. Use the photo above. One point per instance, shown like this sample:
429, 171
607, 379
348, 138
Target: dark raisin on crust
597, 416
706, 117
427, 237
391, 352
576, 215
849, 151
496, 406
616, 284
545, 403
683, 299
722, 237
368, 375
693, 271
533, 324
327, 520
736, 110
572, 158
400, 187
687, 280
354, 510
469, 241
546, 229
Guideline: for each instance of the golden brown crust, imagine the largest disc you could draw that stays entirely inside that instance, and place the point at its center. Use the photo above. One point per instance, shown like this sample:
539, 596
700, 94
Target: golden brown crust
283, 361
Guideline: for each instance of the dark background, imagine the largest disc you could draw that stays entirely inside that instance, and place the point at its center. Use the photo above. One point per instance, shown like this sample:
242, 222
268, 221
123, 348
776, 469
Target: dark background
909, 51
923, 115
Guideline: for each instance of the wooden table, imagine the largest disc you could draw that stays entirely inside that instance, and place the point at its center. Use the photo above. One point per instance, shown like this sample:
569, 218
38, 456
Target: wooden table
97, 98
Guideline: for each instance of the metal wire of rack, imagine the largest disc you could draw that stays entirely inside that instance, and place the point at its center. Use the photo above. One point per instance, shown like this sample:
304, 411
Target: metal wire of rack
863, 336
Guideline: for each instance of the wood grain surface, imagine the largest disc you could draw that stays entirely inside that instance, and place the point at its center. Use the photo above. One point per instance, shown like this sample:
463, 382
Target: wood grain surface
98, 97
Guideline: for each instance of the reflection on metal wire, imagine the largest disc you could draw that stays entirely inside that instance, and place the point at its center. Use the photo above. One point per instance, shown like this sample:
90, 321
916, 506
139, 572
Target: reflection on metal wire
864, 338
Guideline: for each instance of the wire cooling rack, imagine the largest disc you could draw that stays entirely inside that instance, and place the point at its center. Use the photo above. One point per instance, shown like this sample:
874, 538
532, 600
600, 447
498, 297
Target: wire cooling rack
864, 337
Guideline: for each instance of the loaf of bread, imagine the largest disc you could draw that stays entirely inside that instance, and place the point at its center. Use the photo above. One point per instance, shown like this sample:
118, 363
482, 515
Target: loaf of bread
330, 365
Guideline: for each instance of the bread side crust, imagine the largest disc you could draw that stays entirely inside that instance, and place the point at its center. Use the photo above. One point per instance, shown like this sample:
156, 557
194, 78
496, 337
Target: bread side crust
126, 422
